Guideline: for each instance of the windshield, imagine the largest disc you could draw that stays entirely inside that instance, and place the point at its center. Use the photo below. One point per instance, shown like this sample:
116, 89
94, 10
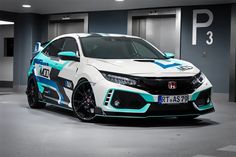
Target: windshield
118, 48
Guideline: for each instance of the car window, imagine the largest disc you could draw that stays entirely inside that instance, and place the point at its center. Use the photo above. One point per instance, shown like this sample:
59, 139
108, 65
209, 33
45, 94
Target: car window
70, 45
143, 51
118, 48
54, 48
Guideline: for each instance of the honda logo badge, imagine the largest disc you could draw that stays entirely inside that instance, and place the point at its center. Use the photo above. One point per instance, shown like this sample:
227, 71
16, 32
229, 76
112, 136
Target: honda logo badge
172, 85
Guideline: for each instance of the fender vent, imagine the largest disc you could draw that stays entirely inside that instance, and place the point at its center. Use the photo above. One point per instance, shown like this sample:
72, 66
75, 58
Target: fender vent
108, 97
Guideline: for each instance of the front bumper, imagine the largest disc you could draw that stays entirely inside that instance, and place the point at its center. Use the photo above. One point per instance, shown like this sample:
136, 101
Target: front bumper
122, 101
163, 111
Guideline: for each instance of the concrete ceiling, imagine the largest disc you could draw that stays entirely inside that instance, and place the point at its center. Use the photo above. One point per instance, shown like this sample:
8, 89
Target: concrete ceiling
62, 6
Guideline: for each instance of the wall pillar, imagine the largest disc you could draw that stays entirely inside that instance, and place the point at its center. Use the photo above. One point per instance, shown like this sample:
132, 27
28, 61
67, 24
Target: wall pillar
29, 28
232, 84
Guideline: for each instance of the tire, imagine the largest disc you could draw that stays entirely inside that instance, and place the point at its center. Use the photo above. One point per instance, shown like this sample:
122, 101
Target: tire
83, 102
188, 117
32, 95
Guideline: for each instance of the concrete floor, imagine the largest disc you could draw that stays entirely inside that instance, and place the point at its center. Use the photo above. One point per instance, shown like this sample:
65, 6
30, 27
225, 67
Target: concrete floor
50, 132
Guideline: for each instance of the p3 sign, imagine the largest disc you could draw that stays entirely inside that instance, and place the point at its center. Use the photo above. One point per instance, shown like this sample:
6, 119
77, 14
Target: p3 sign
198, 25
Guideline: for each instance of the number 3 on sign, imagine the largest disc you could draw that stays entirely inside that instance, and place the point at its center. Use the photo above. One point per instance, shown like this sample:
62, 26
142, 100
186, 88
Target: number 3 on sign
210, 40
197, 25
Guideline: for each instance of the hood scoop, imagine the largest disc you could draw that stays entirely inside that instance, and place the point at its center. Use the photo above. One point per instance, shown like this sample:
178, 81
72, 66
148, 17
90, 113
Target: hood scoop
145, 60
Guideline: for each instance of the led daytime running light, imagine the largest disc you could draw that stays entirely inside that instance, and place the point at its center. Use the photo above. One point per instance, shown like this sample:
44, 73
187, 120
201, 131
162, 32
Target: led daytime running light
199, 79
119, 79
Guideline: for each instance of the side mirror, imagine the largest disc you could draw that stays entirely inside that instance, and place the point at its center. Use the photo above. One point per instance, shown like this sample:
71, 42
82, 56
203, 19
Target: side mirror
169, 55
68, 55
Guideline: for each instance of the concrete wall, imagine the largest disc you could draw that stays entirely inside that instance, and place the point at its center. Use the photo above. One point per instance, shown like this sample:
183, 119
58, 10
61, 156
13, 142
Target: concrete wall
232, 89
212, 59
7, 16
29, 28
6, 63
108, 22
40, 28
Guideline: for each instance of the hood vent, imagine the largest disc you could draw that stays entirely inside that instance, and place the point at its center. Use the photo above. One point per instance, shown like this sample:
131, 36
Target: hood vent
145, 60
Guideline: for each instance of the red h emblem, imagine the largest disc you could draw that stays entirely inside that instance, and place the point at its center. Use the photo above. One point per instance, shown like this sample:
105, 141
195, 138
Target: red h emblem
172, 85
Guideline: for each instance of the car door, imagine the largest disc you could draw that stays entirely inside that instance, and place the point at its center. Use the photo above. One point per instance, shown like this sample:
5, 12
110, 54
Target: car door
48, 66
66, 78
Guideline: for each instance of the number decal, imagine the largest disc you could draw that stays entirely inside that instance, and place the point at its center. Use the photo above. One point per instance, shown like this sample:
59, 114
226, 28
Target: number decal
210, 40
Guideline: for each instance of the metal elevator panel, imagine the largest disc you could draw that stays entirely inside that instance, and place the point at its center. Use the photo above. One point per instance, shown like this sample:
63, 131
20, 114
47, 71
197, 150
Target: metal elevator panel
160, 31
57, 28
139, 27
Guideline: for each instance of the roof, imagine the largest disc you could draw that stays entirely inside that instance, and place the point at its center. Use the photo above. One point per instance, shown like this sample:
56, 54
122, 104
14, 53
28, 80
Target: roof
95, 34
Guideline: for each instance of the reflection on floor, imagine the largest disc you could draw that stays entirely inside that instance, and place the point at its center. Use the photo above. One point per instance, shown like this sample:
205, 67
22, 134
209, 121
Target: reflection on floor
25, 132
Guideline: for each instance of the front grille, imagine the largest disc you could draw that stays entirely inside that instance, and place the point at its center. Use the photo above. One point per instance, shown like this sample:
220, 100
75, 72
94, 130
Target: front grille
170, 109
158, 86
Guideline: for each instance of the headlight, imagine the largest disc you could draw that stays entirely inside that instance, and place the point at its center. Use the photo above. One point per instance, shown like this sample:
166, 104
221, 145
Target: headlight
199, 79
119, 79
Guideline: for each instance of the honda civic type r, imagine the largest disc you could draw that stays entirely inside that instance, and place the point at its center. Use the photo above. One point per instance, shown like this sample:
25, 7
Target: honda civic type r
114, 75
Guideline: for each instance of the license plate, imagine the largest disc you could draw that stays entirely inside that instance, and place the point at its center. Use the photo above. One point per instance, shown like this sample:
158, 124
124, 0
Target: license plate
173, 99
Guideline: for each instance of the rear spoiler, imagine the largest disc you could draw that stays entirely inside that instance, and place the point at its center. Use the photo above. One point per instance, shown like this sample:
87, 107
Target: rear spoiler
39, 47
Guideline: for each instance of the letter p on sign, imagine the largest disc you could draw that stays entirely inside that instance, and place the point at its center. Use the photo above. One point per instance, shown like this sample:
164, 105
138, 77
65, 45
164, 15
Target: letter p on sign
197, 25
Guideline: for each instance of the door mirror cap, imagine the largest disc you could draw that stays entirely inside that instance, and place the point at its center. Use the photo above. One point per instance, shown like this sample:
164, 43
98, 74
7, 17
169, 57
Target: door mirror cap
169, 55
68, 55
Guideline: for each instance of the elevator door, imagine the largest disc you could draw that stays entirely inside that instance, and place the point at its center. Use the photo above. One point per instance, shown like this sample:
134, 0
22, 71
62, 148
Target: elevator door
62, 27
160, 31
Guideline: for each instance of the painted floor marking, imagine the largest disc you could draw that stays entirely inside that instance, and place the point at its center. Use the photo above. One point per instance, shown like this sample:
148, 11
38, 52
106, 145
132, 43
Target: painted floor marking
202, 156
229, 148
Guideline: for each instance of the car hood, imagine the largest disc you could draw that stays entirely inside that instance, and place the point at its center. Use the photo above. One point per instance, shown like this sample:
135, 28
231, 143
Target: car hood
146, 68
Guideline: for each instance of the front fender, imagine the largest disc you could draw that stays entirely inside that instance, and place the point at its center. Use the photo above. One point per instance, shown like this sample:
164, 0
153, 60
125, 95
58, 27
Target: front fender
92, 74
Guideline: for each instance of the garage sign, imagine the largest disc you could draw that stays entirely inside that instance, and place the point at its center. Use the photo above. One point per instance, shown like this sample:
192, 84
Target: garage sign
197, 25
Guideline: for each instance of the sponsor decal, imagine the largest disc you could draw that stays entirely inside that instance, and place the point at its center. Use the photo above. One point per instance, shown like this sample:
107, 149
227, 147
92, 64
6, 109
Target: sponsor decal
184, 68
40, 62
44, 72
68, 84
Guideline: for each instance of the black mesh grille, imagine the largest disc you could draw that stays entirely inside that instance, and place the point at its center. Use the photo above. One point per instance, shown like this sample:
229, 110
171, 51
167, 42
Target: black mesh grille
127, 100
203, 98
160, 85
170, 109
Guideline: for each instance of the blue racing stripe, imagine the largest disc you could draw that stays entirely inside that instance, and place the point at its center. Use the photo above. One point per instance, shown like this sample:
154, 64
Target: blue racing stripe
165, 66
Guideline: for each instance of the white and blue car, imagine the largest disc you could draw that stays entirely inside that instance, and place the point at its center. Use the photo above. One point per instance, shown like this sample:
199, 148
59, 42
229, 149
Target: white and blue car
113, 75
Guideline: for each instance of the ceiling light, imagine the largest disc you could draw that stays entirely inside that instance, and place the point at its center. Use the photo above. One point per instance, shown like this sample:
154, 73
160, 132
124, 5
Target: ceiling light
26, 6
119, 0
65, 18
6, 23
